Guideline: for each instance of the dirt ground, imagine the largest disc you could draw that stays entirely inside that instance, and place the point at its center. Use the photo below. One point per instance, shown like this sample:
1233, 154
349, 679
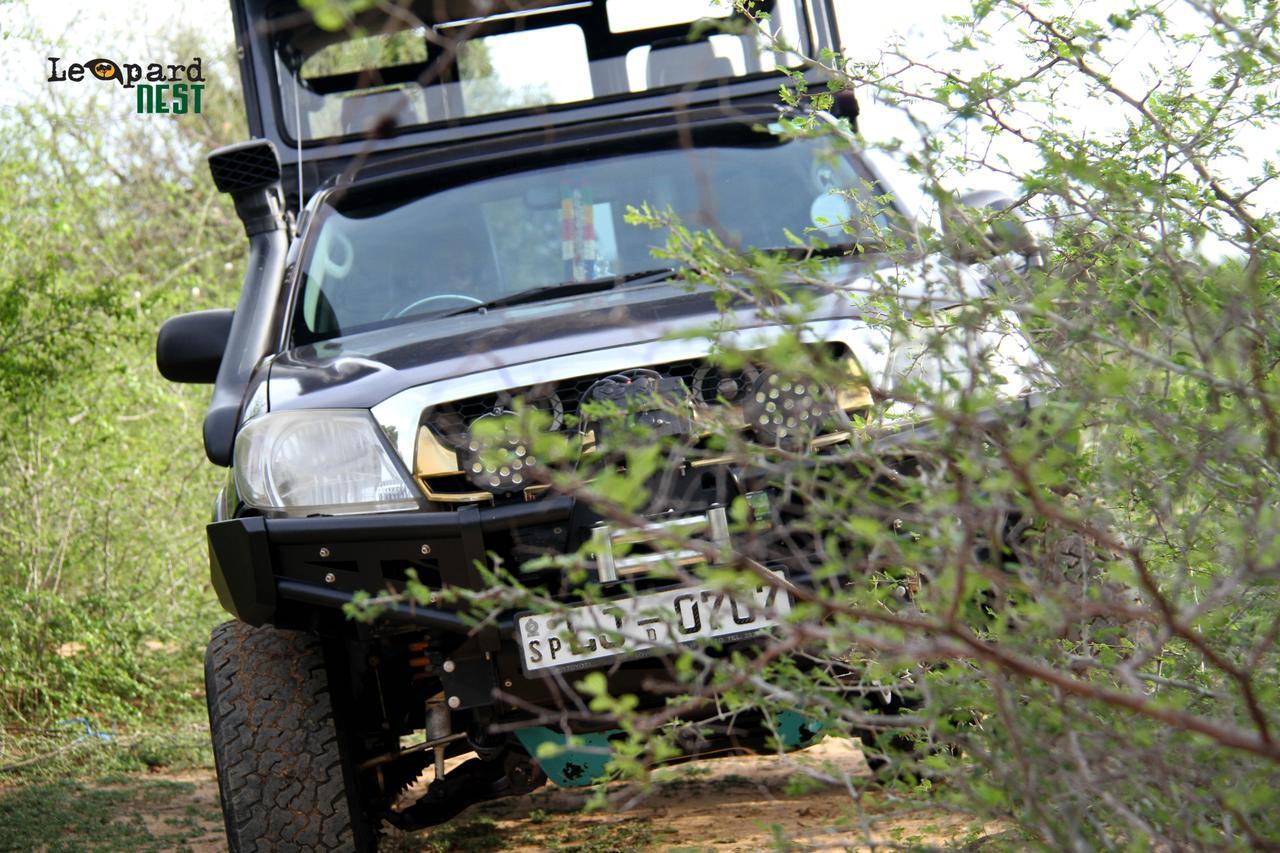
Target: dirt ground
739, 803
726, 804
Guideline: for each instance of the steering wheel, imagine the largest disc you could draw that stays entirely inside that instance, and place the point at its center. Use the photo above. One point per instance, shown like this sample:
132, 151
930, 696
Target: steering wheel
423, 301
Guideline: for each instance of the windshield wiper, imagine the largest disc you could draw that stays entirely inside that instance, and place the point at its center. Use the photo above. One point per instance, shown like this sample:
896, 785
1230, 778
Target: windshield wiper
568, 288
835, 250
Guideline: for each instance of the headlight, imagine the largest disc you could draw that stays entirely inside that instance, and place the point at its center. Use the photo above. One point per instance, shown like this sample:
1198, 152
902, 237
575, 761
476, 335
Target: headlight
330, 461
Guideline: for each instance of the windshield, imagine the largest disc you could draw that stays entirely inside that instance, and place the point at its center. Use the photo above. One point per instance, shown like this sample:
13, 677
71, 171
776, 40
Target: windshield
477, 242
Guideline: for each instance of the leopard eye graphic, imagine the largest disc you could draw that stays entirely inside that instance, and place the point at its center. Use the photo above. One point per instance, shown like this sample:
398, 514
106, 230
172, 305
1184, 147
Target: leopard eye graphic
104, 69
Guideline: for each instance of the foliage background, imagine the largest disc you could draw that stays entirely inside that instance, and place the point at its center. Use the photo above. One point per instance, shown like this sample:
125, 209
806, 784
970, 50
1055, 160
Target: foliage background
107, 227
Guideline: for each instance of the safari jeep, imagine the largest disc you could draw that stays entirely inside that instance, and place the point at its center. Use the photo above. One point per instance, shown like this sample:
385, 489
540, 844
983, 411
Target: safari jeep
431, 243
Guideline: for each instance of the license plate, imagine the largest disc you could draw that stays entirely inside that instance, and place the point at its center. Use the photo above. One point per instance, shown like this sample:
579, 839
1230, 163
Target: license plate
645, 625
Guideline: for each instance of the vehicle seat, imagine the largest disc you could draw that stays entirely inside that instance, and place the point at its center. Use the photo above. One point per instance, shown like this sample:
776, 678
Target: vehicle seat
362, 112
686, 63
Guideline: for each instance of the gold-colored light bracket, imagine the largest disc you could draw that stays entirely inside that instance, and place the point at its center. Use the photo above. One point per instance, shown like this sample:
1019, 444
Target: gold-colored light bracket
431, 459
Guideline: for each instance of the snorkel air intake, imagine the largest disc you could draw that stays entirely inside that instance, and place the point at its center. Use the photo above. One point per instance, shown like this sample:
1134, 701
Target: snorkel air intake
250, 173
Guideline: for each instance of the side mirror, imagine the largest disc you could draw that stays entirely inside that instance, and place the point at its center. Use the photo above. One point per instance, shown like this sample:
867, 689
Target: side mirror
1007, 234
189, 347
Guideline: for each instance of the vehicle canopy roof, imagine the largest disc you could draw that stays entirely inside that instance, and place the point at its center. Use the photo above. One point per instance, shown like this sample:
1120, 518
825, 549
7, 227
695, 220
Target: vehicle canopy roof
333, 93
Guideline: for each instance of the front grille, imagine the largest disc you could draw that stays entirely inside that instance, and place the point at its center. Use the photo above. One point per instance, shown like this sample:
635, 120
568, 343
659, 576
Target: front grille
706, 381
447, 426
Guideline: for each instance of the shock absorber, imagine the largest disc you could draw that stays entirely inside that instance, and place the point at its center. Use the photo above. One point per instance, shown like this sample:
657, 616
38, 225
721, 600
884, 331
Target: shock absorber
439, 728
439, 719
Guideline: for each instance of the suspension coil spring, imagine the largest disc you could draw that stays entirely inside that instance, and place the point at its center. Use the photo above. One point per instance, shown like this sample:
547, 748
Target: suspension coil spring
419, 661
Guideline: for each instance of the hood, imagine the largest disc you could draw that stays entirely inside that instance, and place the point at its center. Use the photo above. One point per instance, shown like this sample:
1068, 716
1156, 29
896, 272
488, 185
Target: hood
363, 370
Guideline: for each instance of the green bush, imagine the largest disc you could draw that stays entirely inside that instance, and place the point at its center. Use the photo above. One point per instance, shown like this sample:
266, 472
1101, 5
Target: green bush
106, 229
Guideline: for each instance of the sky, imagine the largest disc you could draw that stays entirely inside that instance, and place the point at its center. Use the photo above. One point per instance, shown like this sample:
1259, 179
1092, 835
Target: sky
866, 25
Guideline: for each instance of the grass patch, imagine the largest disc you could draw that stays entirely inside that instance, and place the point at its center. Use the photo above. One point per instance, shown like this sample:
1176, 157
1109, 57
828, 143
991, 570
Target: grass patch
613, 837
71, 815
472, 836
60, 754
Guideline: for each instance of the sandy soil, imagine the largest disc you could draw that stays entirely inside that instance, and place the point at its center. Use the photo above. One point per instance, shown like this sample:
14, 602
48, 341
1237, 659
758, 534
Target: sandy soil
195, 816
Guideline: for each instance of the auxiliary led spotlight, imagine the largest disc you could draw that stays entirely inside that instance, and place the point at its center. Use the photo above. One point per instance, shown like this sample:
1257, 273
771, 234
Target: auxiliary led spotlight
786, 412
496, 457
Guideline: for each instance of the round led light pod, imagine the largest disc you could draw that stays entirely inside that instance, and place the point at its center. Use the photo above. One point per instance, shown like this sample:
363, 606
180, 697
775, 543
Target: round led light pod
785, 412
496, 457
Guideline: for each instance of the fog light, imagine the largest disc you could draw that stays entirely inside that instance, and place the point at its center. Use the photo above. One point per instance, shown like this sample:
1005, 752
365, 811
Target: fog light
496, 457
786, 412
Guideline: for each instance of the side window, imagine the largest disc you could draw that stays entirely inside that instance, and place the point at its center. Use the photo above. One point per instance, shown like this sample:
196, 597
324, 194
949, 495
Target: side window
627, 16
337, 84
495, 71
366, 54
359, 110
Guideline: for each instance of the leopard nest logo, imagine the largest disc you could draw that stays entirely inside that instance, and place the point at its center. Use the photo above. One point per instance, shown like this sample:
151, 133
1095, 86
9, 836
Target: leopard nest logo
160, 89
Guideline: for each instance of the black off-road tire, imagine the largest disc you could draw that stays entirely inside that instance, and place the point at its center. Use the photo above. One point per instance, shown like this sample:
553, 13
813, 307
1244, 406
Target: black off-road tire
284, 777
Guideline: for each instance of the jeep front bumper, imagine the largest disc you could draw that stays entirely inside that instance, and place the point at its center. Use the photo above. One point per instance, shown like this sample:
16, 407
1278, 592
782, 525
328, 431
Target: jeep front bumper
262, 567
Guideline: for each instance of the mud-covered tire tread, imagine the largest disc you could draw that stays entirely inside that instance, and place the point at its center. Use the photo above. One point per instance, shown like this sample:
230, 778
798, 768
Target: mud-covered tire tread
281, 773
